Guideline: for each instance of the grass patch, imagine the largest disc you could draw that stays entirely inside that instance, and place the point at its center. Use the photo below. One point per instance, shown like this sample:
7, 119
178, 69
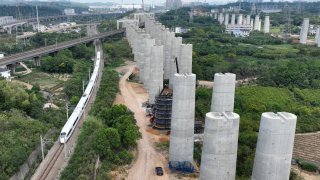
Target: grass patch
37, 77
162, 146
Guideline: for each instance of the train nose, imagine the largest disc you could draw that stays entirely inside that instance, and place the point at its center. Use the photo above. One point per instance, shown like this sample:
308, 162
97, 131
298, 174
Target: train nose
62, 140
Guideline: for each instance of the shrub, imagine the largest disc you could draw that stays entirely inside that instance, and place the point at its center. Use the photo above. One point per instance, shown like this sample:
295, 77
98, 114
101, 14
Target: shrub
308, 166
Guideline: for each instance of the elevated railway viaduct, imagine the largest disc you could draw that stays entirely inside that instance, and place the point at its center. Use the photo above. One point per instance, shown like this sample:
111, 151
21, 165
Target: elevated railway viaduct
35, 54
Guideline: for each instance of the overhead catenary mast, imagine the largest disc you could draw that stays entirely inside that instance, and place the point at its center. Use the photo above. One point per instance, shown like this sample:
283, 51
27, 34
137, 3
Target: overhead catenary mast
142, 5
38, 27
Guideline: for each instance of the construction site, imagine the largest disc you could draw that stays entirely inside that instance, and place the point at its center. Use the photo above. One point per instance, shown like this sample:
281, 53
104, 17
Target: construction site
160, 55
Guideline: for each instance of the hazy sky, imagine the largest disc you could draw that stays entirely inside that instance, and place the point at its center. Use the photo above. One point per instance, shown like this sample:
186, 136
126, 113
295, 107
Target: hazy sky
150, 1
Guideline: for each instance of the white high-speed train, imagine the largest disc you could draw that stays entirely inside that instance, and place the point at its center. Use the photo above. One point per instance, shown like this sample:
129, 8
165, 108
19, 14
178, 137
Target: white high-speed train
73, 120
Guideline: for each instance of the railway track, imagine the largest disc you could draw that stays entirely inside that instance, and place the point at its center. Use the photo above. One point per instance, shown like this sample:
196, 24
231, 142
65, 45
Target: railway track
51, 163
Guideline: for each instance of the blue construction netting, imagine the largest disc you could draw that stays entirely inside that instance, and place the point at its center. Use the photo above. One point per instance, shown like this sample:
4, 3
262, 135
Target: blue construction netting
183, 166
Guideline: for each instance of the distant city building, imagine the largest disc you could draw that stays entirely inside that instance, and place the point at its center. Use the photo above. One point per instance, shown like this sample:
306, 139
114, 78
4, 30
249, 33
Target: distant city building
312, 29
6, 19
252, 1
180, 30
239, 30
69, 12
114, 8
173, 4
269, 8
5, 73
85, 12
41, 28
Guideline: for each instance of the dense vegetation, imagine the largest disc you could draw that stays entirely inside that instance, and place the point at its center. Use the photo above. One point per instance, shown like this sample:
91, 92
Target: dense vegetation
22, 120
28, 11
19, 136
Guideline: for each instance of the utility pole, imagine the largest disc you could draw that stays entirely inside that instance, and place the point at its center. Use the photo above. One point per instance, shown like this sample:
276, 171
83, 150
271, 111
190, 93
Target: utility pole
41, 141
67, 108
65, 148
38, 18
287, 11
82, 86
142, 5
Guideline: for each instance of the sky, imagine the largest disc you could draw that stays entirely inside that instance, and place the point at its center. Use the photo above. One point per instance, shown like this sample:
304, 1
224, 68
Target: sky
150, 1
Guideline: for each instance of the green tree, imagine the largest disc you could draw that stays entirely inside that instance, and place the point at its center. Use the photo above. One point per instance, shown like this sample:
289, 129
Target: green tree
106, 142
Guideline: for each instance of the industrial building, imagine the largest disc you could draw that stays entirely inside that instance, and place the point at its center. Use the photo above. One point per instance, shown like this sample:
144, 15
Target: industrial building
69, 11
173, 4
6, 20
5, 73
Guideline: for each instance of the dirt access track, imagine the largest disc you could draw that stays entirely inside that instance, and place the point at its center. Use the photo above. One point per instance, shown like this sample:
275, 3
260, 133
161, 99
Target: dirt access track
133, 95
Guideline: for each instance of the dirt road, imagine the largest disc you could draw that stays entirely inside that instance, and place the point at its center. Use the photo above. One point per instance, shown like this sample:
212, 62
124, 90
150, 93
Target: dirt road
148, 158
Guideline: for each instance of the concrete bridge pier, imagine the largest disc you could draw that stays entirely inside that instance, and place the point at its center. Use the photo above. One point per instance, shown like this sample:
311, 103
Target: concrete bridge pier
9, 30
53, 54
37, 61
12, 68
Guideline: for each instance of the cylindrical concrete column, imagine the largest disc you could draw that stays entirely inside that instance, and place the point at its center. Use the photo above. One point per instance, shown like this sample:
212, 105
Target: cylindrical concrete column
233, 19
176, 43
244, 21
274, 146
156, 75
185, 61
251, 24
318, 42
240, 19
220, 145
248, 19
221, 18
182, 120
260, 24
223, 92
226, 19
167, 53
304, 31
147, 61
317, 35
266, 27
256, 23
